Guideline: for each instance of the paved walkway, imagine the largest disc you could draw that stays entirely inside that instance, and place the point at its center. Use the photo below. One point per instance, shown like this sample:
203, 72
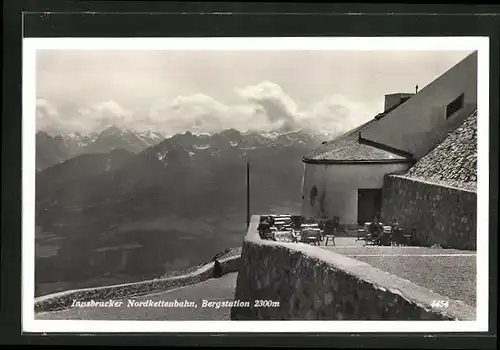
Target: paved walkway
213, 290
449, 272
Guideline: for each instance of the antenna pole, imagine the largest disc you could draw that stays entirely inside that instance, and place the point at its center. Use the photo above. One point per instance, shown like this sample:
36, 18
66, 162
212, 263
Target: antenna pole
248, 193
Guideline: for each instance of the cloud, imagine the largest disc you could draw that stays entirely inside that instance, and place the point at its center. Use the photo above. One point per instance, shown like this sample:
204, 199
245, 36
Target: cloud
264, 107
83, 120
202, 113
103, 114
47, 115
276, 104
333, 114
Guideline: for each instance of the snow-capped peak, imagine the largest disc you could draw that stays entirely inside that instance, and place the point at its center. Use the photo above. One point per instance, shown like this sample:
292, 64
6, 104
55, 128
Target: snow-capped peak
71, 135
201, 147
154, 135
270, 134
291, 132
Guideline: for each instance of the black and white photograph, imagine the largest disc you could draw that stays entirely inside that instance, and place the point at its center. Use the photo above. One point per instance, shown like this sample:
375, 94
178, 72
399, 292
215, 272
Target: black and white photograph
232, 179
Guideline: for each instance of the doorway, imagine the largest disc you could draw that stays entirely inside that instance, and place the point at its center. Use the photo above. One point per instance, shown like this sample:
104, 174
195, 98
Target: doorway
369, 204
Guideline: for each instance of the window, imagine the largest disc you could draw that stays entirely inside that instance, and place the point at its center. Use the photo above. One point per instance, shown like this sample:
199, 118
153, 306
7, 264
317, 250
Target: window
314, 193
455, 106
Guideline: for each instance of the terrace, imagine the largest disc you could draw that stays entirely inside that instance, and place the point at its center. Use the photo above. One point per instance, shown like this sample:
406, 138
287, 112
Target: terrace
449, 272
295, 228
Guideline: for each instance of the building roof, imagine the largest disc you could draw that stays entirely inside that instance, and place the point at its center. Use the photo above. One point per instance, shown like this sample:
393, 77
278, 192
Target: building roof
351, 148
454, 161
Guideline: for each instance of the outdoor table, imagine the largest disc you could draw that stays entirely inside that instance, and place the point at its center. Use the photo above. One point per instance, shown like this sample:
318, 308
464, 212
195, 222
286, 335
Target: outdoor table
310, 234
283, 236
309, 225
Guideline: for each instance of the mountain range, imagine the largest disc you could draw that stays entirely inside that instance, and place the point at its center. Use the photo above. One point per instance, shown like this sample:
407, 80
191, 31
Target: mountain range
124, 207
53, 149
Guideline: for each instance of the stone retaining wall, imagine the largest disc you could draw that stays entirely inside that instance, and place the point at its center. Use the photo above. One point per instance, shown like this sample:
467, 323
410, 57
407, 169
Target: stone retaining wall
443, 215
303, 282
230, 264
63, 300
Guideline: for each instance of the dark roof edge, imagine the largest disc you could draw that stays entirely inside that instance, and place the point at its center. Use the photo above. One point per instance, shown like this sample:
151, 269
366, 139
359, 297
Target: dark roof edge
384, 147
362, 161
384, 113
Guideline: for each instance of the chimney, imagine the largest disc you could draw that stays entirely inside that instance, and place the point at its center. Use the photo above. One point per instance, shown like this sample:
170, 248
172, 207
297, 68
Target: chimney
394, 100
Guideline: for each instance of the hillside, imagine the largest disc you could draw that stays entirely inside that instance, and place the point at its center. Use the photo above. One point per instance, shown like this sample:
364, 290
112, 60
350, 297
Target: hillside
119, 217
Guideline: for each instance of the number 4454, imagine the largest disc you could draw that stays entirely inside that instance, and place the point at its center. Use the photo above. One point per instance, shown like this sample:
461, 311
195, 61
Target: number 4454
440, 303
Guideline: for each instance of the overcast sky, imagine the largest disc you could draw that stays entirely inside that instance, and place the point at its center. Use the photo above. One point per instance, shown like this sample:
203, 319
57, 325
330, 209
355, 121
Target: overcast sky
207, 91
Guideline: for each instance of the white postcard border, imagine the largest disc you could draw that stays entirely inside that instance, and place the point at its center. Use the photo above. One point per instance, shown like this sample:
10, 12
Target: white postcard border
30, 47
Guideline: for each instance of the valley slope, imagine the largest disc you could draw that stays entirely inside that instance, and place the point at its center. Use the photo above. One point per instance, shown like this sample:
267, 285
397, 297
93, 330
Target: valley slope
128, 215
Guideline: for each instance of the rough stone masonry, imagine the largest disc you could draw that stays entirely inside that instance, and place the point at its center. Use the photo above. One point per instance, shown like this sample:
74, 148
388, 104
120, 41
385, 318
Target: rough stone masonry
304, 282
438, 194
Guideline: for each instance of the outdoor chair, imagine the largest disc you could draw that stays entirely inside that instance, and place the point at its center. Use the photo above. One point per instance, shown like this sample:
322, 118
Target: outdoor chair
369, 239
397, 237
310, 236
374, 235
408, 236
367, 236
296, 220
384, 239
264, 229
329, 237
361, 234
330, 230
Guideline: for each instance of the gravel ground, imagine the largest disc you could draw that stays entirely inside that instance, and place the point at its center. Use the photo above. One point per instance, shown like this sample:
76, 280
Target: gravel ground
448, 272
453, 276
397, 251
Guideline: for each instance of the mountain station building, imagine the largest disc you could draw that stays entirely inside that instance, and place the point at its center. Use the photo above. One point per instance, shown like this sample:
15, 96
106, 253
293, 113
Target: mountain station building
350, 176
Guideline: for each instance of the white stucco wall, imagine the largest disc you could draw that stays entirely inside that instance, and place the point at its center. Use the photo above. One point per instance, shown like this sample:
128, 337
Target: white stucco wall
420, 123
339, 184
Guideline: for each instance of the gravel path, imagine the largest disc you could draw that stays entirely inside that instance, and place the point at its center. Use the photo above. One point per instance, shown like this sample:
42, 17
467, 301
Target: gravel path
399, 251
451, 276
449, 272
218, 289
